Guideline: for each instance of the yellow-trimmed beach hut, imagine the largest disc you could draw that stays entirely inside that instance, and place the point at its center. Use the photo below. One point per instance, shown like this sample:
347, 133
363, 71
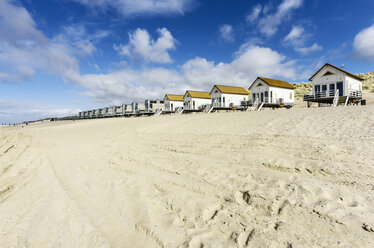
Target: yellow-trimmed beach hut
172, 102
227, 96
272, 92
195, 100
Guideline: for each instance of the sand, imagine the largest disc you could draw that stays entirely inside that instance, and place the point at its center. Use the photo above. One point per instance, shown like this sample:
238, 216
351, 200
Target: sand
282, 178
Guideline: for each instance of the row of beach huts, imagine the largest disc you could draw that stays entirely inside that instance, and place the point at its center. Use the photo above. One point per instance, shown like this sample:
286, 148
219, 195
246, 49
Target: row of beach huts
331, 86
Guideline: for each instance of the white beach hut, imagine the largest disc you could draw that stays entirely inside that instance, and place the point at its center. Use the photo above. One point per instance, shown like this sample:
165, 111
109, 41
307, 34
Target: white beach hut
118, 110
172, 102
194, 100
102, 112
96, 113
272, 92
154, 105
138, 107
227, 96
109, 111
330, 81
127, 108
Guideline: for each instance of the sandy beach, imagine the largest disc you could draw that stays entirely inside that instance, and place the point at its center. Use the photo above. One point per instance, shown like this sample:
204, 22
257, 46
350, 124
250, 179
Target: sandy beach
282, 178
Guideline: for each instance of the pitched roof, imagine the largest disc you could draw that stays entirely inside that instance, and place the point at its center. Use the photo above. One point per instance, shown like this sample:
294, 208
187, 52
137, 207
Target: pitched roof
346, 72
276, 83
198, 94
231, 90
174, 97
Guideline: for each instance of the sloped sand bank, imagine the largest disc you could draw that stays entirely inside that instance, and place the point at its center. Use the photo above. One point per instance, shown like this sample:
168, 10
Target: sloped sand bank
283, 178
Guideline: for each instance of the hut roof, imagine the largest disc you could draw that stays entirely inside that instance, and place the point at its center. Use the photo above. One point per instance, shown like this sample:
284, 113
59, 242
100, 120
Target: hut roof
198, 94
337, 68
276, 83
174, 97
231, 89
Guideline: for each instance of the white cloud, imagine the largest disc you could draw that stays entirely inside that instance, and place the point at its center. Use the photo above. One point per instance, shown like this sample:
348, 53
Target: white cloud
200, 73
364, 44
269, 24
142, 46
226, 32
296, 36
297, 39
131, 7
255, 13
17, 112
127, 84
307, 50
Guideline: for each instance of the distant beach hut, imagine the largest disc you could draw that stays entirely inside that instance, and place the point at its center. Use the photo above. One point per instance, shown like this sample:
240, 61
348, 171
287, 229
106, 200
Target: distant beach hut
127, 108
227, 96
272, 92
172, 102
138, 107
333, 85
102, 112
154, 105
118, 110
90, 113
194, 100
96, 113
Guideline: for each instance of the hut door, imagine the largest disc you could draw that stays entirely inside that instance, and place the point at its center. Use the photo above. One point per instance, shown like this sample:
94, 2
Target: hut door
172, 107
339, 86
262, 97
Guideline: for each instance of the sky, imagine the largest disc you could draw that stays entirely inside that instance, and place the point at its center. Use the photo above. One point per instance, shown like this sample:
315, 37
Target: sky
58, 57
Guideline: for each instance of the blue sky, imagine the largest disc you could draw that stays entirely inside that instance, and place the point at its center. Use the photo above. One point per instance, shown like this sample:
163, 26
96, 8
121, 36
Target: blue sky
61, 56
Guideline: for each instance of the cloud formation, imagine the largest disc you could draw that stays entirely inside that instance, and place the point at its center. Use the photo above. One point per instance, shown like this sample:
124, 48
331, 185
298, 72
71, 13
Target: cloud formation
363, 44
307, 50
255, 13
17, 112
297, 39
269, 24
139, 7
226, 32
142, 46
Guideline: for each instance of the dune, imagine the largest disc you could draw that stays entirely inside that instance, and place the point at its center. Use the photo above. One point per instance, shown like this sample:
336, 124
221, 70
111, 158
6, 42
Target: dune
275, 178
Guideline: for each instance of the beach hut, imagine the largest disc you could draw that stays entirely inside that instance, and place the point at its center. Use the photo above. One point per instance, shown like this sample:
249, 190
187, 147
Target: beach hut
194, 100
96, 113
126, 108
102, 112
109, 111
227, 96
272, 92
154, 105
138, 107
172, 102
331, 82
118, 110
90, 113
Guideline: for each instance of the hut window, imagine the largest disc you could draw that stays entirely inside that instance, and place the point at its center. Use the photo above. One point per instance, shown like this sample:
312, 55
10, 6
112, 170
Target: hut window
290, 95
223, 99
327, 73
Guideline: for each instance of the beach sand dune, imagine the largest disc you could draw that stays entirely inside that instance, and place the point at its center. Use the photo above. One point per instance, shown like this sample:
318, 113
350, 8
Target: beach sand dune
282, 178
